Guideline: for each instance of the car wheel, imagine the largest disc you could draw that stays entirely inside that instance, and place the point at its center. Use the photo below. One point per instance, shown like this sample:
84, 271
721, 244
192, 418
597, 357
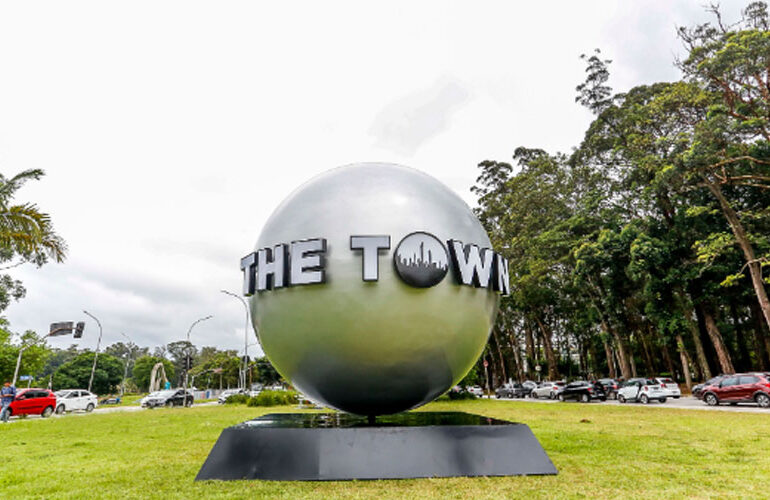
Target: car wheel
561, 397
47, 412
662, 400
553, 395
644, 399
169, 404
763, 400
188, 403
711, 400
60, 409
90, 408
585, 398
603, 399
621, 398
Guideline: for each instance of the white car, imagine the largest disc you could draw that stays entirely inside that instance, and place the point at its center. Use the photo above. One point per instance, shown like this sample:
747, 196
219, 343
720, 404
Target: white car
75, 399
641, 390
547, 390
475, 390
670, 387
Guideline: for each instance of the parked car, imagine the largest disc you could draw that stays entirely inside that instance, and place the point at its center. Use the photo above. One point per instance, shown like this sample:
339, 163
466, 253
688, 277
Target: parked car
33, 402
173, 397
641, 390
738, 388
582, 391
514, 390
697, 390
610, 386
475, 390
229, 392
548, 390
529, 386
75, 399
669, 387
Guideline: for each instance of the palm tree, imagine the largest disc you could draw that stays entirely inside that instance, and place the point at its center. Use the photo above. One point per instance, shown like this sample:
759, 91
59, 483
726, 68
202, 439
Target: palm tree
25, 231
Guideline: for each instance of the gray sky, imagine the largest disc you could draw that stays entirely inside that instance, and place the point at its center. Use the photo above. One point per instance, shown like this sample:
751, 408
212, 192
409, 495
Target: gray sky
169, 131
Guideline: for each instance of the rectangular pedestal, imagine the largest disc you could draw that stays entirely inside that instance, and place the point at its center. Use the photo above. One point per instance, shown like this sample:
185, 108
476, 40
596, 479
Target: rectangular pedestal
338, 446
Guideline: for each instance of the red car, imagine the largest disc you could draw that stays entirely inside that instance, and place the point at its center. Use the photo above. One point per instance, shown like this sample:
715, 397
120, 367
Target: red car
739, 388
33, 402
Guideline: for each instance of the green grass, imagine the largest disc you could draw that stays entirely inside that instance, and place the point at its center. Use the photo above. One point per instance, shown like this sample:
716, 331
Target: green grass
601, 452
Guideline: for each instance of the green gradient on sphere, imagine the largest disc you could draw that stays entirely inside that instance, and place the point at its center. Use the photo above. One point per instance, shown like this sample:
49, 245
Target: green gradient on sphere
372, 347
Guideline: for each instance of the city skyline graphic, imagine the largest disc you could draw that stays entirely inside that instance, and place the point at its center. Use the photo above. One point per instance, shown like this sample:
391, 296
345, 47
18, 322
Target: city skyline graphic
421, 260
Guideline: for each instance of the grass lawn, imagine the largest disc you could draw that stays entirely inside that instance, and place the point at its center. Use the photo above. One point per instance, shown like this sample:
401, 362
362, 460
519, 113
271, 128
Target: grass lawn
601, 452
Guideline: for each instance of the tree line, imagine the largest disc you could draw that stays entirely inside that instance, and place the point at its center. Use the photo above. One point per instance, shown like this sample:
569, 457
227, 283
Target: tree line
71, 367
643, 250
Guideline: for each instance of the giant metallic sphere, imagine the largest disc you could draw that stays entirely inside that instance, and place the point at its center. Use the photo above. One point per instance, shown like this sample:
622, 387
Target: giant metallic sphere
380, 347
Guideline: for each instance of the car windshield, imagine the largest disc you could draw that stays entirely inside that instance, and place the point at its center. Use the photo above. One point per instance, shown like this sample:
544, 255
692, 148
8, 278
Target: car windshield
560, 384
164, 394
62, 394
666, 381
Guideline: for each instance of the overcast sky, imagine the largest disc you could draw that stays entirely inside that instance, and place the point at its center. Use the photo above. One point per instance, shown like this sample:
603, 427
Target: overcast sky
169, 131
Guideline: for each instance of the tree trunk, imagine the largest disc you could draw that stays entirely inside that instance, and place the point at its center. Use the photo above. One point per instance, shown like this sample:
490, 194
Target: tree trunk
550, 356
744, 359
755, 269
633, 366
520, 374
646, 352
685, 361
700, 354
760, 336
503, 372
725, 363
669, 362
529, 341
621, 347
610, 360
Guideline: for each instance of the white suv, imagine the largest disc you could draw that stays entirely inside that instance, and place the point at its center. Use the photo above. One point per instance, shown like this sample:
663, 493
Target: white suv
75, 399
669, 387
641, 390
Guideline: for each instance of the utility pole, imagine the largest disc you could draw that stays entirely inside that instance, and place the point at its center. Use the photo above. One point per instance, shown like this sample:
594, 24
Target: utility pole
96, 354
245, 336
186, 370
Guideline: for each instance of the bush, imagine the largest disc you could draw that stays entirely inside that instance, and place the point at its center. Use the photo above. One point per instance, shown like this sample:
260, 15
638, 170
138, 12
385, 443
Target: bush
273, 398
460, 395
237, 399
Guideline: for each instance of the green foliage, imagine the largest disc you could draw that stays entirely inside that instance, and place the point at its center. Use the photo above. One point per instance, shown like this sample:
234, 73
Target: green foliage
75, 374
237, 399
26, 235
274, 398
460, 395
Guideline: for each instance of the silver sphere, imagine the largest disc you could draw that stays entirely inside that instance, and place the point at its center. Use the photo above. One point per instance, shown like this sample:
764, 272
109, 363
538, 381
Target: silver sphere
381, 347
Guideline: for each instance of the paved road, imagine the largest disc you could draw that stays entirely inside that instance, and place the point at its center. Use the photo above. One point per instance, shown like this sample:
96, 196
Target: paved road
683, 403
105, 409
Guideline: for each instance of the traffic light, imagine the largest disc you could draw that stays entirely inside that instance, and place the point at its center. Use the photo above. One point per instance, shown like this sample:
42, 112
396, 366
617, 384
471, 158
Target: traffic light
79, 329
188, 362
62, 328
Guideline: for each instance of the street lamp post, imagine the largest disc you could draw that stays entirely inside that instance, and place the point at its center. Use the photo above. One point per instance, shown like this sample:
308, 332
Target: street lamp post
125, 369
245, 335
188, 344
96, 354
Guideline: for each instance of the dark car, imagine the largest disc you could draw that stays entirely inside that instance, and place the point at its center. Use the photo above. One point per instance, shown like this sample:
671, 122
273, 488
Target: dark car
514, 390
33, 402
582, 391
610, 386
697, 390
739, 388
173, 397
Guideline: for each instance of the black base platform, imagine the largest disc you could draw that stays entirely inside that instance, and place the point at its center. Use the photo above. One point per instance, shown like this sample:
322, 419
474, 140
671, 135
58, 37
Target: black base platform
339, 446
